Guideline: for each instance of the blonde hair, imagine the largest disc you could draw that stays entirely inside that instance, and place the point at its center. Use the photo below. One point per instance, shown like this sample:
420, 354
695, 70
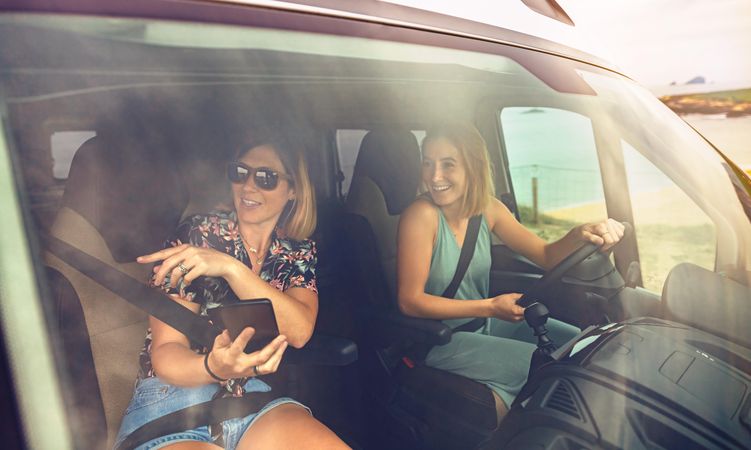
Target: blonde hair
474, 155
298, 219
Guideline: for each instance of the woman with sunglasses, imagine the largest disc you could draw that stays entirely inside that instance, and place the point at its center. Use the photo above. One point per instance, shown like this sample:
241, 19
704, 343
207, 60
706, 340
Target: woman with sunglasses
458, 184
259, 250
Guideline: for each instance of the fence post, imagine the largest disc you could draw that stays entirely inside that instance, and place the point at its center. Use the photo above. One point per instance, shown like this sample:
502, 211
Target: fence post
535, 217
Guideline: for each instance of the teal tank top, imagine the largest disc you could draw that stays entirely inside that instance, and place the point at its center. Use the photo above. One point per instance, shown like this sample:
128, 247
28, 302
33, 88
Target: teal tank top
446, 251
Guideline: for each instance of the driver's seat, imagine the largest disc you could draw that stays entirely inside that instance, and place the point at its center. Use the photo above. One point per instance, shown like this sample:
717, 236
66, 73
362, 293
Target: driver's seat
420, 406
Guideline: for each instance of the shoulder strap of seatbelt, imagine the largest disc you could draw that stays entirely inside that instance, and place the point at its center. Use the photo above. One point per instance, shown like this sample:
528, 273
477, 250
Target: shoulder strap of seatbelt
197, 328
465, 257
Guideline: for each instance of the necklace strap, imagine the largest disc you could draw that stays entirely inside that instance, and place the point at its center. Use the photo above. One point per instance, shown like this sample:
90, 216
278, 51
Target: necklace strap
258, 255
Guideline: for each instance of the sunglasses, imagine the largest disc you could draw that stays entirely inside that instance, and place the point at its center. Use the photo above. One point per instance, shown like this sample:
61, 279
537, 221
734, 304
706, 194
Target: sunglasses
264, 178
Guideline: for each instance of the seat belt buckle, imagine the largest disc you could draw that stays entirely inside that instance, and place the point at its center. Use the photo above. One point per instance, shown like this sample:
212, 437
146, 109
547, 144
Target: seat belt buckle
216, 431
408, 362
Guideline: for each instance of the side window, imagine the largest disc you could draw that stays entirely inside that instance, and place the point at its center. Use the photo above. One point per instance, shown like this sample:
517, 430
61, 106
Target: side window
554, 169
348, 146
63, 146
50, 173
670, 228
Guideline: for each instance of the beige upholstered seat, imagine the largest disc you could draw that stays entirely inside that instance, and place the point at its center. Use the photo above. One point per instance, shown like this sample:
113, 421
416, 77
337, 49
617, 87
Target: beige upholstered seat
122, 199
384, 183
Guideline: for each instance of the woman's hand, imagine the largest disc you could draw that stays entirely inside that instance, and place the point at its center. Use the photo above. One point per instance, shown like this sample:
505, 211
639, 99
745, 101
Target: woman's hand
605, 234
504, 307
228, 360
189, 262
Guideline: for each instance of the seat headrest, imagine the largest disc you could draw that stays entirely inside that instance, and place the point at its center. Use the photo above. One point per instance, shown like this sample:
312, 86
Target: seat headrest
131, 192
391, 158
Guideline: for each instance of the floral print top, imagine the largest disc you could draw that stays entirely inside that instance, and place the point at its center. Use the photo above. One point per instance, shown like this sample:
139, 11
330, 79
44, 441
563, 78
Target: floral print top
288, 264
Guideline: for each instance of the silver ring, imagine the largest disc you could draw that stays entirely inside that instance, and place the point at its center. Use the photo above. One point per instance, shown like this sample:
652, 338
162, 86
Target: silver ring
255, 370
182, 268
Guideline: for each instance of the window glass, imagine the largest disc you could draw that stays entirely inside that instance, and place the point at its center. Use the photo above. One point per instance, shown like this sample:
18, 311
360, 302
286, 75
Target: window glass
554, 168
63, 145
670, 228
171, 99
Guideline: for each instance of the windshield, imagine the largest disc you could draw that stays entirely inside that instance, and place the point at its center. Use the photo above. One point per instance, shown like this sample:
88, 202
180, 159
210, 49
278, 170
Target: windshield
119, 128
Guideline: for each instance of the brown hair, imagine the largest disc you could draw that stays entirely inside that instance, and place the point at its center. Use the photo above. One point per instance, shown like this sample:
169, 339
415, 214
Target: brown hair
298, 220
474, 154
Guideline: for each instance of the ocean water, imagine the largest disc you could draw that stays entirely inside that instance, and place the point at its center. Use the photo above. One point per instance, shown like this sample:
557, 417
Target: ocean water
555, 150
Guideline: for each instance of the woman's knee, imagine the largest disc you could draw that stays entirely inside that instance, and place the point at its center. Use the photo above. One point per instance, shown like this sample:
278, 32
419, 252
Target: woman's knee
289, 426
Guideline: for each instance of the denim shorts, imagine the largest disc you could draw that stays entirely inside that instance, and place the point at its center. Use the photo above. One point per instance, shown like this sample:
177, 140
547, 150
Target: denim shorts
154, 398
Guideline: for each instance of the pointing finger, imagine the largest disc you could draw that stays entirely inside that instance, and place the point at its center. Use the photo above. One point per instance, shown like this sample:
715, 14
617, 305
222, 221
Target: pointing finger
161, 254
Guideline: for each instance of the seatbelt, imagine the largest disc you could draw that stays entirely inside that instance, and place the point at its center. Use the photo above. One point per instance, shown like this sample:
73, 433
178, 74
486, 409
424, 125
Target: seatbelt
465, 257
195, 327
214, 412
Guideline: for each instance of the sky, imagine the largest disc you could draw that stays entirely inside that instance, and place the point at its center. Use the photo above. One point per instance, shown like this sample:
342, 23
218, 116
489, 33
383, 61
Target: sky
655, 42
660, 41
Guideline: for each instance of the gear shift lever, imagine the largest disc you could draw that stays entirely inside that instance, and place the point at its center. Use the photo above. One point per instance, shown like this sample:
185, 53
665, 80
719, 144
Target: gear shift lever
536, 316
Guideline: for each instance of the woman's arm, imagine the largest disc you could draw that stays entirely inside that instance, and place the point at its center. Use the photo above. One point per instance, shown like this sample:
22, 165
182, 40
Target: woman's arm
417, 231
295, 310
547, 255
177, 364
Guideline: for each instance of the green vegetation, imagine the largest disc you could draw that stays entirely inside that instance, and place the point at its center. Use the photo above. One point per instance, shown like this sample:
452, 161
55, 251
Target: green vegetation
737, 96
547, 227
731, 103
661, 246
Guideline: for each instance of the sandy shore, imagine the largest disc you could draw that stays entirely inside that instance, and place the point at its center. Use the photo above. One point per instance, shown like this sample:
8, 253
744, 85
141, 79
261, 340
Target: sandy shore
730, 103
670, 230
667, 206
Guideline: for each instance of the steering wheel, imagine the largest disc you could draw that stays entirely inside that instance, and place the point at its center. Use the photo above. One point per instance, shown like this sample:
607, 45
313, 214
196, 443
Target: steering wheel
555, 274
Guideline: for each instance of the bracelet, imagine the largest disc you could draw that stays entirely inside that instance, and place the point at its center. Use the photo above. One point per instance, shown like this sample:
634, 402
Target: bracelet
213, 375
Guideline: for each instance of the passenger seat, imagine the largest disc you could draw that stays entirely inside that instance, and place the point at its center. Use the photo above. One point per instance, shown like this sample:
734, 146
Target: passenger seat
123, 197
385, 181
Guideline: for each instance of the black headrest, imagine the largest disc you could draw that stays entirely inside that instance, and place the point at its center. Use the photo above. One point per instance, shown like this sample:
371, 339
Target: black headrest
391, 158
129, 191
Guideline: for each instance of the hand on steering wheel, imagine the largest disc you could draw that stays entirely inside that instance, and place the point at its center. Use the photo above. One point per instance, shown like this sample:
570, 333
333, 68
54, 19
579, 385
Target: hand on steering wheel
554, 275
605, 234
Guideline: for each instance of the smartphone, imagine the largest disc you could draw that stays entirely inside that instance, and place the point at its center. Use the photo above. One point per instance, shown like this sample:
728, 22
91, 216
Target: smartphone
257, 313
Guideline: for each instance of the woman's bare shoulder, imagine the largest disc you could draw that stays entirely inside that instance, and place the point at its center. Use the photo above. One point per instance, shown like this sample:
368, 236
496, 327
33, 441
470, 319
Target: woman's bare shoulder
496, 211
422, 211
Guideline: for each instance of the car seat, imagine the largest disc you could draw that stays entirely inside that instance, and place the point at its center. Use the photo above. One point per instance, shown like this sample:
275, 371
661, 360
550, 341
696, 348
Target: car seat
421, 406
122, 199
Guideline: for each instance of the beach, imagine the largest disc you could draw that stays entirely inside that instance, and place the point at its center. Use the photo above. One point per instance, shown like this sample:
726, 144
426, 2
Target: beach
670, 227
